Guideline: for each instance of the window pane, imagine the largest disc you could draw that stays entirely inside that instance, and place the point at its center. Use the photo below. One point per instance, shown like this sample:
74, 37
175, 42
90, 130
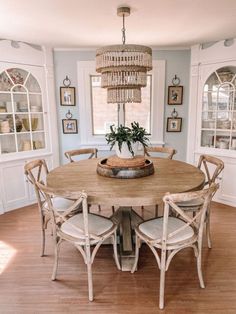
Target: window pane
141, 112
103, 114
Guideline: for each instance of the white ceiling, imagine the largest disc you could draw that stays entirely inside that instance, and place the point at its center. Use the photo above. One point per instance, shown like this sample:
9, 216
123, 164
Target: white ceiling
93, 23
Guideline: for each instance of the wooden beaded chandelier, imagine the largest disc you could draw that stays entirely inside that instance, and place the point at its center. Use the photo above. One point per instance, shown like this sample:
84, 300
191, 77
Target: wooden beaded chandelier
123, 68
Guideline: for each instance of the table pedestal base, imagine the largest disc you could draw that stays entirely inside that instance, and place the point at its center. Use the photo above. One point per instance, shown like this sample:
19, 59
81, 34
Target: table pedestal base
127, 218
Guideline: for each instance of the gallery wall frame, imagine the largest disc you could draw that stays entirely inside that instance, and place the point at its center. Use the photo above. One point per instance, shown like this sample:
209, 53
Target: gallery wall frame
69, 126
175, 95
174, 124
67, 96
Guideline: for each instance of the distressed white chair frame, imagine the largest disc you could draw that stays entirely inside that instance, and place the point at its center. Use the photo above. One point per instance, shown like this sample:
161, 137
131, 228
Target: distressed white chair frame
83, 151
204, 162
86, 239
37, 170
169, 152
168, 249
41, 169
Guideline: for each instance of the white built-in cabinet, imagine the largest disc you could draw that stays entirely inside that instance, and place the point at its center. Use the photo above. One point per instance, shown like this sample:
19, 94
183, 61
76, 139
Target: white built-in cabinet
23, 122
212, 111
27, 118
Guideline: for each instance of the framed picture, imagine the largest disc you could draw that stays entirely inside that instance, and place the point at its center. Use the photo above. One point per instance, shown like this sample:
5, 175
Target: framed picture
67, 96
175, 95
69, 126
174, 124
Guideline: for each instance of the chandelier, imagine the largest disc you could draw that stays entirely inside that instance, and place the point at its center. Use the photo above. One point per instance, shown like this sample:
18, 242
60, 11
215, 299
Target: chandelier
123, 67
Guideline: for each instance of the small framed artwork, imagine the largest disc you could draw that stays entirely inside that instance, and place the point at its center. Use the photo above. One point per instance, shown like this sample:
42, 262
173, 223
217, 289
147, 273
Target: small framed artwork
67, 96
175, 95
69, 126
174, 125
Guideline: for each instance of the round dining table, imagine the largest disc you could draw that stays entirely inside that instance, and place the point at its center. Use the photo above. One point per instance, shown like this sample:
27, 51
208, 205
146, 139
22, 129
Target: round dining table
169, 176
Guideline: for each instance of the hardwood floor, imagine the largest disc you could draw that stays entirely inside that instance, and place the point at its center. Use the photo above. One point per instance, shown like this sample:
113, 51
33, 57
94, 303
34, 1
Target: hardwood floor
25, 285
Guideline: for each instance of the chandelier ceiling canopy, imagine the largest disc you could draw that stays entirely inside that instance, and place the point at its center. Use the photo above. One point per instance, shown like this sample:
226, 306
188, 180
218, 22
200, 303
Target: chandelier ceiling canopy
123, 68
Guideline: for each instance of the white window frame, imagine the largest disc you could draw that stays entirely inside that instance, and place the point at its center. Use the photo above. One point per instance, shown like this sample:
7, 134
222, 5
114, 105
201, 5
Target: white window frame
87, 68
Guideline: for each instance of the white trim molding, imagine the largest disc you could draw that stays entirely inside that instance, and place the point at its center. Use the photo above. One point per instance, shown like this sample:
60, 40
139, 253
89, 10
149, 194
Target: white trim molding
87, 68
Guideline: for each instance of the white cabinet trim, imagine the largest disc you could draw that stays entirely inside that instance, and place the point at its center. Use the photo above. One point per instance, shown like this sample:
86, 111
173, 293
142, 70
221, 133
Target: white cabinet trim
203, 63
40, 62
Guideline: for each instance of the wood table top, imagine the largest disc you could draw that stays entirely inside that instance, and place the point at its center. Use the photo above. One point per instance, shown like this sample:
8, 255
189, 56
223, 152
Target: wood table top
170, 176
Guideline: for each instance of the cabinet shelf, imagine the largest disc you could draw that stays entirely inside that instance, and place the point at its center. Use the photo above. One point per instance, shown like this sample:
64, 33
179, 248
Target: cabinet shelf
219, 110
28, 112
10, 133
215, 91
217, 130
22, 93
23, 132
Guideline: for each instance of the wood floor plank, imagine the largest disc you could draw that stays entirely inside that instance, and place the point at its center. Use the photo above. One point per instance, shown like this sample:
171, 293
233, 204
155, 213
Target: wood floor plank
25, 285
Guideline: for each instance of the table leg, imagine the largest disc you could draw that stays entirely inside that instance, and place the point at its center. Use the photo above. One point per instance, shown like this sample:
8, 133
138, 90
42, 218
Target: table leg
127, 219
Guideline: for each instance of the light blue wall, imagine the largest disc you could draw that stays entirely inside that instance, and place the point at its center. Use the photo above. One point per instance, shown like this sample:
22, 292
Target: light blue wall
177, 62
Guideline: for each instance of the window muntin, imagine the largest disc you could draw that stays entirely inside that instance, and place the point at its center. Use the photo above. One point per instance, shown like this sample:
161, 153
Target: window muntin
104, 115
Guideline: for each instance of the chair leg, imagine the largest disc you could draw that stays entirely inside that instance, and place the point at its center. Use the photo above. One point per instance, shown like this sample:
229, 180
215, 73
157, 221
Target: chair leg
199, 267
137, 245
113, 209
162, 279
56, 252
90, 281
43, 242
44, 222
99, 208
156, 211
195, 249
89, 271
114, 240
208, 233
142, 211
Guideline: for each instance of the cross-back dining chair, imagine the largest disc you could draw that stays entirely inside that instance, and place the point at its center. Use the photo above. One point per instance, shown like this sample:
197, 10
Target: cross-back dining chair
82, 230
37, 170
170, 234
92, 152
212, 167
169, 152
151, 151
88, 152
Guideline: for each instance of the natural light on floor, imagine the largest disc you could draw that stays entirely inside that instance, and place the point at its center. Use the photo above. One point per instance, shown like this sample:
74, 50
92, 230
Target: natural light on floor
7, 252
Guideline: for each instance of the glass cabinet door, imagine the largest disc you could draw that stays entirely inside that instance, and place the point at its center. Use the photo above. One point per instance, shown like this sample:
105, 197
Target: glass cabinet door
21, 112
218, 120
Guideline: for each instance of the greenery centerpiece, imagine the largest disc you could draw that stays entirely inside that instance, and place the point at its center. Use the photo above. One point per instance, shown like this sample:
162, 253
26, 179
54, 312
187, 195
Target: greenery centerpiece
126, 139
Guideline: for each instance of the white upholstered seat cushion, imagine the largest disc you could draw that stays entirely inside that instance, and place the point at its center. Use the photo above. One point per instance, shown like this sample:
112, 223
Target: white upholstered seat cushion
96, 225
154, 228
60, 203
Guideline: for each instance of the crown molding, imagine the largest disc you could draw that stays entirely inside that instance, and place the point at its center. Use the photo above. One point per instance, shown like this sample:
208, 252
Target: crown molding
155, 48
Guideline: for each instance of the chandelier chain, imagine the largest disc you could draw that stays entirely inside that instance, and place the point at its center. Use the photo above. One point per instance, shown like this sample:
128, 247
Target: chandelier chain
123, 31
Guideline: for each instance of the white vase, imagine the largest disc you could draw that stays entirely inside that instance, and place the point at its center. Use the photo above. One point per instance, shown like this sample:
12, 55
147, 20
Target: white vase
125, 153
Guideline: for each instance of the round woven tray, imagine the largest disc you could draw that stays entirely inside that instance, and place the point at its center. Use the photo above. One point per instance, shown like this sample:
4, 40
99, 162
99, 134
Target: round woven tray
125, 172
114, 161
